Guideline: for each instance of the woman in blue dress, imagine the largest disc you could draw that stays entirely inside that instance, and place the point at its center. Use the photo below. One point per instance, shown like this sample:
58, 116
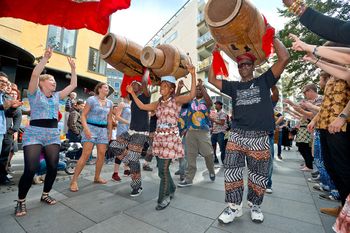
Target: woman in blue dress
96, 120
42, 132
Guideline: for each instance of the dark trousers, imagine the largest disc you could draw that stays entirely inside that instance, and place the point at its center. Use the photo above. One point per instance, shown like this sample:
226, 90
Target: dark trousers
336, 157
219, 138
305, 151
5, 152
72, 137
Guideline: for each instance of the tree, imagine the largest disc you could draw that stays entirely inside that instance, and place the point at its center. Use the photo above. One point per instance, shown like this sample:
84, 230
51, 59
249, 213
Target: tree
300, 71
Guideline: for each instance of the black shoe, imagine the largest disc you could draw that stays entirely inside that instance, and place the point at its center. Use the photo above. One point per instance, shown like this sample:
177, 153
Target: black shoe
216, 161
177, 173
212, 177
136, 192
147, 168
315, 174
6, 181
279, 156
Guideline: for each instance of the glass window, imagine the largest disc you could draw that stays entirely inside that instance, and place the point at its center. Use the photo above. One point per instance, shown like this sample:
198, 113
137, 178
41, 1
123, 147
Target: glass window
116, 84
96, 64
62, 40
171, 38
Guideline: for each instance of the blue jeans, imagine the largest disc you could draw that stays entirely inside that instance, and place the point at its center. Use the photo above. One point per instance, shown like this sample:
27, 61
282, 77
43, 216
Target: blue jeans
271, 140
219, 138
279, 145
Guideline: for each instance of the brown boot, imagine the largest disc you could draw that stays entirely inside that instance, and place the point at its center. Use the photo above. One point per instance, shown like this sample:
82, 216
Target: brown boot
331, 211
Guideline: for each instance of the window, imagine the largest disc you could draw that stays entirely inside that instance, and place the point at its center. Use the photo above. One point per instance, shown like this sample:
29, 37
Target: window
117, 85
96, 64
171, 38
62, 40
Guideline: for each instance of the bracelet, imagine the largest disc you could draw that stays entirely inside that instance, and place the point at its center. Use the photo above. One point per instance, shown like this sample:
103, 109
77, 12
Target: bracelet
317, 61
314, 52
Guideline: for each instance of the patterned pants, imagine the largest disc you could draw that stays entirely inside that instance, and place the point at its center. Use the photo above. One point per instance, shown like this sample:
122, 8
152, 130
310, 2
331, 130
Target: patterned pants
318, 158
128, 149
167, 185
254, 147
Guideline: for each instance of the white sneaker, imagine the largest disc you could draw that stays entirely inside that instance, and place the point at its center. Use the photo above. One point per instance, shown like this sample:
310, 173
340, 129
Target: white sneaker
230, 214
268, 190
256, 214
9, 176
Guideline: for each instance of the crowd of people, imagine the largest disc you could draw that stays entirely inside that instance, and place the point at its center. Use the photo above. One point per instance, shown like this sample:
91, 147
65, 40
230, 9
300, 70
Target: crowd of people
182, 126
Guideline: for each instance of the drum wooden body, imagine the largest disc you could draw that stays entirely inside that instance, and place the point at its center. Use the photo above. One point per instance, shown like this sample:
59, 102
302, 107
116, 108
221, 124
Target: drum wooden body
164, 60
237, 27
124, 55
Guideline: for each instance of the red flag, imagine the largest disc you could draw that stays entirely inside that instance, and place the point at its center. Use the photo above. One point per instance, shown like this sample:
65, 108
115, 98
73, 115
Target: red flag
70, 14
127, 80
267, 40
219, 67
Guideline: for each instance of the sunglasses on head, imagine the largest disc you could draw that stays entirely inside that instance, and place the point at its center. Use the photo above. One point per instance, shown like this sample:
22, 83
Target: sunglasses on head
245, 64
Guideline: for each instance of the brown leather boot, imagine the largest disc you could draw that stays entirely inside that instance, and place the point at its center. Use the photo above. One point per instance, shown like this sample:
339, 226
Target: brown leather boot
331, 211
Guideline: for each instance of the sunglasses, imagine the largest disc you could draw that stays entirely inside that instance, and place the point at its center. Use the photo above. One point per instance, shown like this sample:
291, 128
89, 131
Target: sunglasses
245, 64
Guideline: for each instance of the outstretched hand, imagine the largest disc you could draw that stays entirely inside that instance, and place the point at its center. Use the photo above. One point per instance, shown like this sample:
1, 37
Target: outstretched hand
298, 45
71, 63
48, 53
309, 57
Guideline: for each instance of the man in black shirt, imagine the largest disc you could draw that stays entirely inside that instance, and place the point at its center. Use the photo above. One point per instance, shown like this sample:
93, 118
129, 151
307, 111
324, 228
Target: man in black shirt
137, 135
252, 110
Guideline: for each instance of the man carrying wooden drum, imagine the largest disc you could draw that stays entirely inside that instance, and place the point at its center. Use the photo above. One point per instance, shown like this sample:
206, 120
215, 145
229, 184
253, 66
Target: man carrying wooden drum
252, 110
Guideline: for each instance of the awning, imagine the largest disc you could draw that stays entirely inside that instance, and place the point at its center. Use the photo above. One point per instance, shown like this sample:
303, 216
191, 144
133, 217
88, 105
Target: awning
7, 49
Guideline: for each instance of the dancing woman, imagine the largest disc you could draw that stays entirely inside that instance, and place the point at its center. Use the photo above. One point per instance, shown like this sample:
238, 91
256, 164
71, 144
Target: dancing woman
96, 120
42, 131
167, 142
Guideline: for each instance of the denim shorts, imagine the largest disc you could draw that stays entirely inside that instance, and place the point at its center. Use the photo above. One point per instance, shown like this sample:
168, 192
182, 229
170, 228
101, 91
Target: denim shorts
39, 135
99, 135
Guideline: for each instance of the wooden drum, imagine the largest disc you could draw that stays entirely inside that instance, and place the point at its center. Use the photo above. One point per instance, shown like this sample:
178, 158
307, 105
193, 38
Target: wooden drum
124, 55
165, 59
237, 27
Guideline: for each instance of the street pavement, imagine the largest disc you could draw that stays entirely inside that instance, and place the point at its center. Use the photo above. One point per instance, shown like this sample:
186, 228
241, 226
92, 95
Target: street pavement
293, 207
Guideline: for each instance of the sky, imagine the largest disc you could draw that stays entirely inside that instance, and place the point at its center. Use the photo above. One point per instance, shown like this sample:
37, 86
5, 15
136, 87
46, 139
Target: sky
144, 18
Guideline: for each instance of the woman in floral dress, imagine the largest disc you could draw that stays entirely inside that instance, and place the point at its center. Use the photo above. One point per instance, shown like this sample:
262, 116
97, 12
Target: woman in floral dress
167, 142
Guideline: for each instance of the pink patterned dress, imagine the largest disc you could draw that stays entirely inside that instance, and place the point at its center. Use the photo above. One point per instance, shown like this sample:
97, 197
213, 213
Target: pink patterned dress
167, 142
342, 225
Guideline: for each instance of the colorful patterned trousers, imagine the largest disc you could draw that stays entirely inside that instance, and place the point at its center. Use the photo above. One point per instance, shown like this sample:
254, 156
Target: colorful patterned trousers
253, 147
128, 149
167, 186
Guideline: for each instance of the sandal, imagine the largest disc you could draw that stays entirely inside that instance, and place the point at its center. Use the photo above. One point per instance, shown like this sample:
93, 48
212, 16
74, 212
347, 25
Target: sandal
20, 209
100, 181
74, 187
48, 199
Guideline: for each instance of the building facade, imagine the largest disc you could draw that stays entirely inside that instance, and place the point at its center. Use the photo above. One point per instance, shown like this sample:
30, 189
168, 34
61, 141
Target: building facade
114, 79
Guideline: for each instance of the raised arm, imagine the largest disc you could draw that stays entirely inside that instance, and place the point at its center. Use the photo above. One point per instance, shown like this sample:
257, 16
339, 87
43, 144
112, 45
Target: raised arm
282, 58
183, 99
142, 106
337, 71
34, 79
206, 97
118, 115
212, 79
145, 89
73, 80
338, 54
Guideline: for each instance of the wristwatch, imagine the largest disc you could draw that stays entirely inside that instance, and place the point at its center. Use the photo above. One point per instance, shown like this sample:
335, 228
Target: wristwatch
344, 116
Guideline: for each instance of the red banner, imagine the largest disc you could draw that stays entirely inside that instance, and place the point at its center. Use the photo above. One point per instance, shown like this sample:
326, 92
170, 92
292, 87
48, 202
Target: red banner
70, 14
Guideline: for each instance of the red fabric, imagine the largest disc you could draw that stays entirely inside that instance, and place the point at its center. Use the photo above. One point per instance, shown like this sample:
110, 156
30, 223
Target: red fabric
219, 66
246, 56
127, 80
59, 115
267, 40
69, 14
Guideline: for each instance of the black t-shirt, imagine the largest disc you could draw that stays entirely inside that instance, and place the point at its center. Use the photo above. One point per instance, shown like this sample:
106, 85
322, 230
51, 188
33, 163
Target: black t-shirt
251, 102
153, 123
139, 118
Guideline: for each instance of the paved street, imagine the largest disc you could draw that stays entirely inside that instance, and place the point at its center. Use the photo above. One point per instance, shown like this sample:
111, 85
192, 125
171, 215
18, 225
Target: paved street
293, 206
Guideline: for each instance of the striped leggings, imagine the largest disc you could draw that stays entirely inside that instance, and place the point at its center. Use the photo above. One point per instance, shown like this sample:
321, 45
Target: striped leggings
253, 147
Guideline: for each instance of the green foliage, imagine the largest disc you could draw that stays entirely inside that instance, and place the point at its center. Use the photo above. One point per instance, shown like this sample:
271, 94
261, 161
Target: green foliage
299, 71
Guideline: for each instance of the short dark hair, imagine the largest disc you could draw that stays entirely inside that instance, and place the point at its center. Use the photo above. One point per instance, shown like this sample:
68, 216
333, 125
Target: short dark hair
3, 74
218, 102
79, 102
